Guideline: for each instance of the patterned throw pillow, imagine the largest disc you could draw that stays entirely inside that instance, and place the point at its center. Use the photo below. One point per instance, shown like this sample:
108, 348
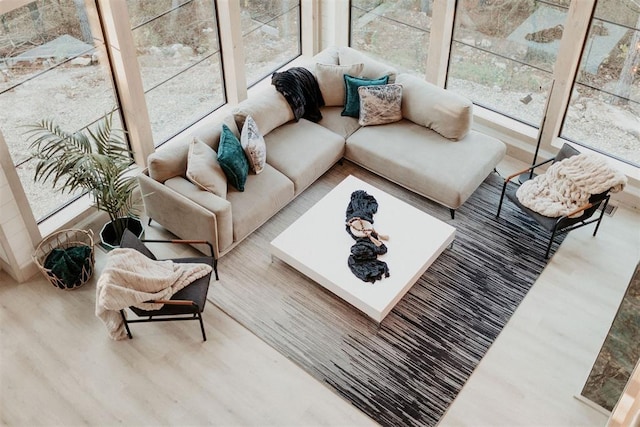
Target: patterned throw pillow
380, 104
352, 102
253, 145
331, 81
232, 159
204, 170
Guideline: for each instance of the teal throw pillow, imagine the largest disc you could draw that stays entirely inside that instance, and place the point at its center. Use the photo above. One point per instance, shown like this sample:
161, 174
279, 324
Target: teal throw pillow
232, 159
352, 103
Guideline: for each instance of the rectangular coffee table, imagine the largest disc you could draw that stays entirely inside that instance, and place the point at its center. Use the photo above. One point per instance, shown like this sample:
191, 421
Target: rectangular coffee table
318, 246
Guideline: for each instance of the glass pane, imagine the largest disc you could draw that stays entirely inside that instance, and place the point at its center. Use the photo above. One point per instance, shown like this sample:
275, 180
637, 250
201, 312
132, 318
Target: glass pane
50, 70
395, 31
503, 53
179, 57
271, 35
141, 11
174, 104
605, 103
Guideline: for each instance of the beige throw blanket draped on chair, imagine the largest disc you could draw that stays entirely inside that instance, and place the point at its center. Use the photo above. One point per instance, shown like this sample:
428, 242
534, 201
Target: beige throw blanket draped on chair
129, 278
568, 184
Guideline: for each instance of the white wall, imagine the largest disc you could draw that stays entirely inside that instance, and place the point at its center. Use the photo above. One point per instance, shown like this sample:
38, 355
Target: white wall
19, 234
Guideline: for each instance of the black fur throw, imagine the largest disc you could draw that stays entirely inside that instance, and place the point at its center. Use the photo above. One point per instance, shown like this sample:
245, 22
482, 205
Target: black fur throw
300, 88
363, 261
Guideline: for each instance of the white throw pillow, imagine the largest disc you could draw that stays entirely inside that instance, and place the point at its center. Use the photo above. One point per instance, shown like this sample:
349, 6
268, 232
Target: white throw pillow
253, 145
380, 104
331, 81
204, 170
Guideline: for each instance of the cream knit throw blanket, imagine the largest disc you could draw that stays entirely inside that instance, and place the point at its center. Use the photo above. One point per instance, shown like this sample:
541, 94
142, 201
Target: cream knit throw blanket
129, 278
568, 184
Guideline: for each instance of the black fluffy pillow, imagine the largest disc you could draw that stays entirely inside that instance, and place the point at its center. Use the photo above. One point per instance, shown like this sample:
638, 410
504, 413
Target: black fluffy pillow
300, 88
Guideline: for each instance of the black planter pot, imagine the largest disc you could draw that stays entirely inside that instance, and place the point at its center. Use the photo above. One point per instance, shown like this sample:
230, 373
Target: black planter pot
109, 238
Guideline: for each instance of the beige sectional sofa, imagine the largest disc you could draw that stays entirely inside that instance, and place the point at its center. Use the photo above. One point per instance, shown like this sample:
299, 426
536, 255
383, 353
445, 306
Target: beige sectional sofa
431, 151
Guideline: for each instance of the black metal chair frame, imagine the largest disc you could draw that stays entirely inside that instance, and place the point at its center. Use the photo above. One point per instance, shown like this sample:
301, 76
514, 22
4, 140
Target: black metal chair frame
195, 311
565, 223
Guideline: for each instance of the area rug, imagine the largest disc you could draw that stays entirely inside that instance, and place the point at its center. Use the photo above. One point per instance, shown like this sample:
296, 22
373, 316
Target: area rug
408, 369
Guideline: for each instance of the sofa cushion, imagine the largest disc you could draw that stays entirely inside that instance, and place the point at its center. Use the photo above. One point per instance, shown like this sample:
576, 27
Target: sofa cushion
303, 151
380, 105
170, 159
373, 69
268, 108
253, 145
331, 81
220, 207
204, 170
352, 100
424, 161
232, 159
328, 55
333, 120
264, 196
439, 109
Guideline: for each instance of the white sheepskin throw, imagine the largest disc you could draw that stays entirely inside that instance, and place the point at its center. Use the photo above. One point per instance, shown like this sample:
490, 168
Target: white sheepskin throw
130, 278
568, 184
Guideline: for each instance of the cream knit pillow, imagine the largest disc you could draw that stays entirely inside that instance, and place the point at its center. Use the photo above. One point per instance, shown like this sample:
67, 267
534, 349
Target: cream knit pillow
331, 81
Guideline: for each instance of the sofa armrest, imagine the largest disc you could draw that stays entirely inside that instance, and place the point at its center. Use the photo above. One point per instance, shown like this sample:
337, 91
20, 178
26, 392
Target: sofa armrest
441, 110
207, 217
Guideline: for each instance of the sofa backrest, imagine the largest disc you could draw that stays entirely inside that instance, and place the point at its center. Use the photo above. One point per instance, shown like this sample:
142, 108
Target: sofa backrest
436, 108
373, 69
268, 108
171, 160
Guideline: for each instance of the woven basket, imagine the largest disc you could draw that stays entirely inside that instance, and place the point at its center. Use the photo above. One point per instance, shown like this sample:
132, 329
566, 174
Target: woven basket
64, 239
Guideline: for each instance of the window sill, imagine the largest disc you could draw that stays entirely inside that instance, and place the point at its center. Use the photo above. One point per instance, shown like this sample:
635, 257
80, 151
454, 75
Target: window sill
68, 217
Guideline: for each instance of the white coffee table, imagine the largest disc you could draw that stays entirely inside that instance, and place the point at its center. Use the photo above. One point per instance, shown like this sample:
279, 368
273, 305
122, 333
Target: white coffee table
317, 245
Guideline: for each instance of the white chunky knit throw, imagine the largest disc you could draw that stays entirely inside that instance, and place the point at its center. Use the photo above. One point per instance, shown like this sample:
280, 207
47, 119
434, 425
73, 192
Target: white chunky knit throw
129, 278
568, 184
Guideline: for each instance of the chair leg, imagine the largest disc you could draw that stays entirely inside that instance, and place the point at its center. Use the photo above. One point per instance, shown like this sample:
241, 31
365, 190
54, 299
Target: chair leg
504, 188
453, 213
204, 335
126, 324
149, 223
215, 267
604, 208
553, 235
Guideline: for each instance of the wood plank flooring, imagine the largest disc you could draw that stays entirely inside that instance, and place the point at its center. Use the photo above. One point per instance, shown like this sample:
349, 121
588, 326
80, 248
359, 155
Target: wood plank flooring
58, 367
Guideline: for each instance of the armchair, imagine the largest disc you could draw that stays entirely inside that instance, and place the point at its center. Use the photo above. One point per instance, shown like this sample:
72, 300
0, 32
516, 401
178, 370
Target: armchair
186, 304
564, 223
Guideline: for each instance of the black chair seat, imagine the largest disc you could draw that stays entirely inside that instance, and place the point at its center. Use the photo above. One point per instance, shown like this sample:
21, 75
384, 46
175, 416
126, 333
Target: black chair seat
559, 223
196, 292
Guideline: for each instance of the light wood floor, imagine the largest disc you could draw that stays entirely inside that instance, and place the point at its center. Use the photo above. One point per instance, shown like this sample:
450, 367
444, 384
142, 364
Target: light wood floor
57, 366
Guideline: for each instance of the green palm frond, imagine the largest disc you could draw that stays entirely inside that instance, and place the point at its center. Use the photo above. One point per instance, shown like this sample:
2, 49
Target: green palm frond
95, 160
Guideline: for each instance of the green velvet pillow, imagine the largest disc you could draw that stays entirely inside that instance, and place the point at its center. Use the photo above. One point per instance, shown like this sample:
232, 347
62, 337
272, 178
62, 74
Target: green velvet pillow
232, 159
352, 102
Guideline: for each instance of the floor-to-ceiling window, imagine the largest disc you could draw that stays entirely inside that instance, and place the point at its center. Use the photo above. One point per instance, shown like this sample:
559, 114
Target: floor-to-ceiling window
604, 110
395, 30
503, 54
51, 67
270, 34
180, 62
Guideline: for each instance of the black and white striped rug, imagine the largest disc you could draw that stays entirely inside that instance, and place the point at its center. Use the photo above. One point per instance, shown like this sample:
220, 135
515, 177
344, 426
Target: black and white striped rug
409, 369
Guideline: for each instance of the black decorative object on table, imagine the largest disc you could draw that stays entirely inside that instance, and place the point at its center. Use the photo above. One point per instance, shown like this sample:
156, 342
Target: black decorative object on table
363, 261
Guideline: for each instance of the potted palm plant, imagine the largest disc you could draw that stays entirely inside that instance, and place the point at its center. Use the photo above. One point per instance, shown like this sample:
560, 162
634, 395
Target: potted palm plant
96, 161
